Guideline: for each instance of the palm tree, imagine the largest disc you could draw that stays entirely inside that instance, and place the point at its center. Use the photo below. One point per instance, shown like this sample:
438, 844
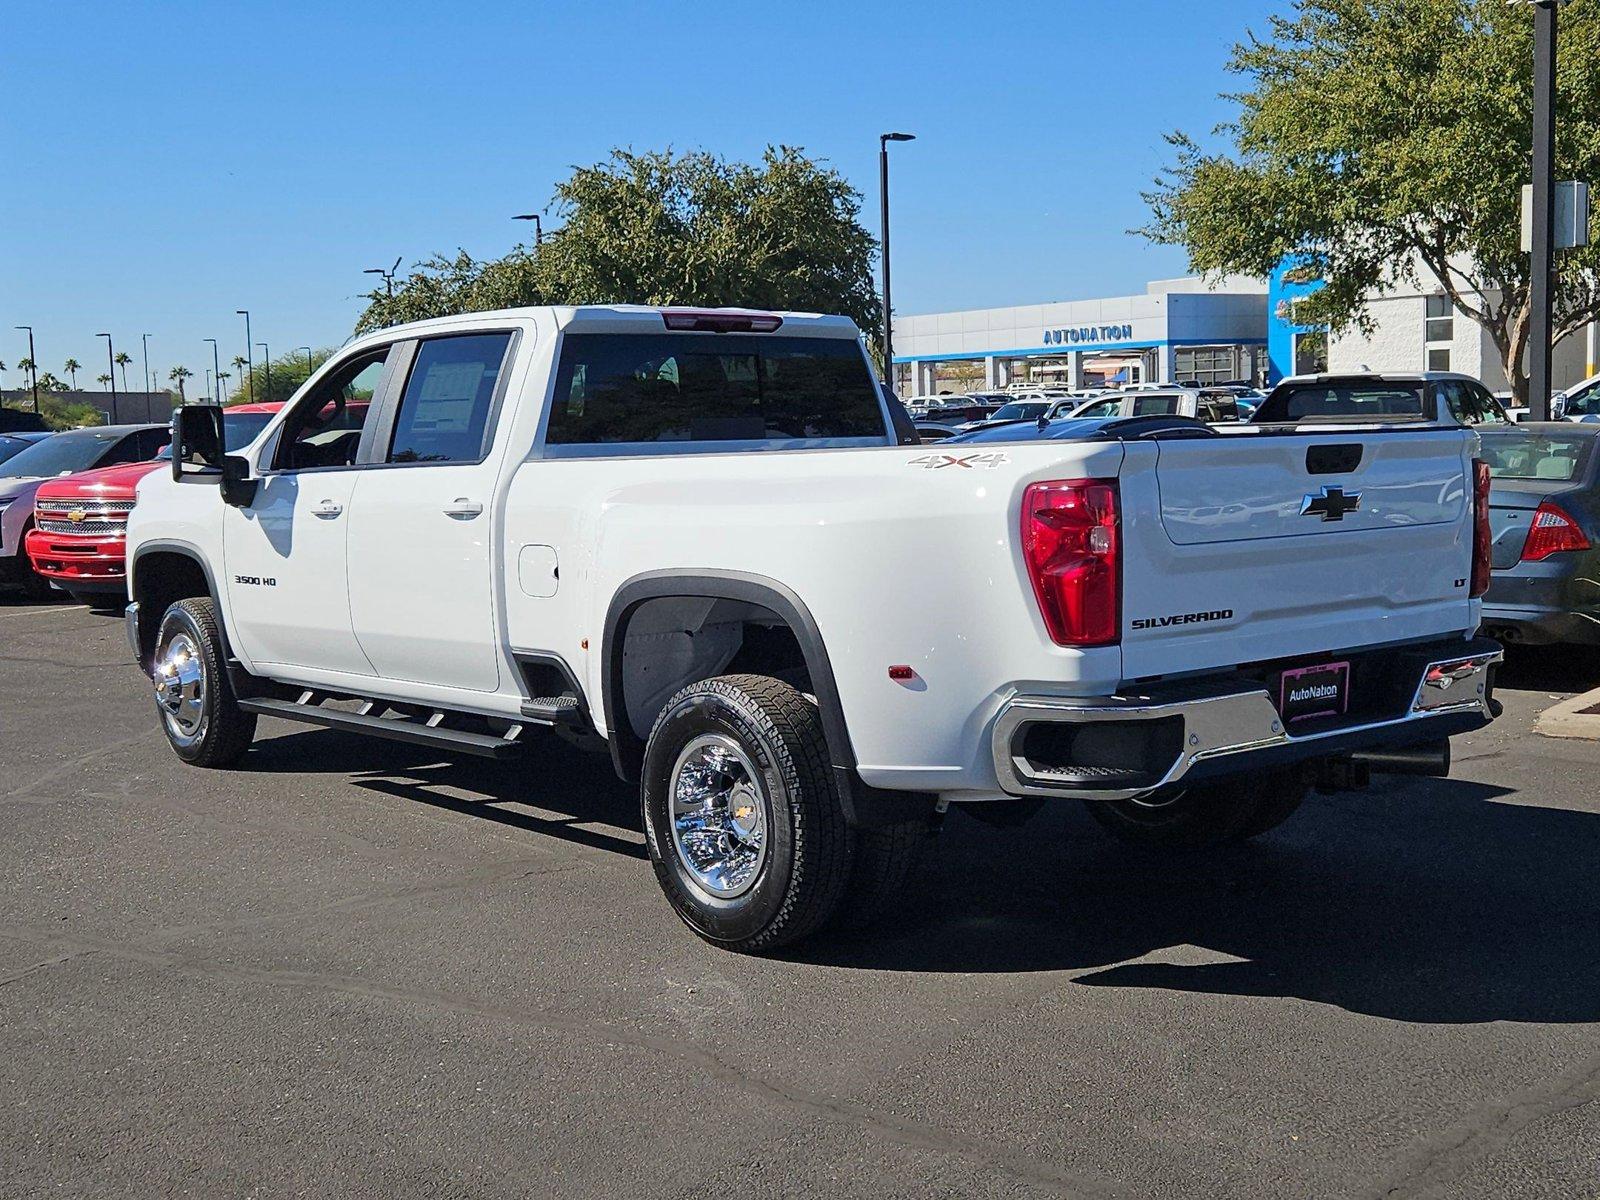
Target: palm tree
222, 385
178, 375
104, 381
240, 362
122, 360
72, 366
25, 365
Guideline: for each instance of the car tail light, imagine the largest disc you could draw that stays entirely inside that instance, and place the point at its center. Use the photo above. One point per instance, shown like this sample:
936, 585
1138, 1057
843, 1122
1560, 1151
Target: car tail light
698, 320
1071, 544
1480, 527
1550, 532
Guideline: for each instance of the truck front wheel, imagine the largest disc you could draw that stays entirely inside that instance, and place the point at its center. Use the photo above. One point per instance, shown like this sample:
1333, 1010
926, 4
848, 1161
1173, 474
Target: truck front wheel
744, 826
1207, 814
194, 696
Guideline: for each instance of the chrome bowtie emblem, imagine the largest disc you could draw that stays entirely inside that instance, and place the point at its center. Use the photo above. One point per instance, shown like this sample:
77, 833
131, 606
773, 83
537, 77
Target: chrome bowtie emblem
1330, 504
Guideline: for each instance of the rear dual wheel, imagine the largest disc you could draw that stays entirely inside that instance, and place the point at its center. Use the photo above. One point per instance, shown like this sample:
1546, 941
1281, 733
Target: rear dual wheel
1205, 814
744, 822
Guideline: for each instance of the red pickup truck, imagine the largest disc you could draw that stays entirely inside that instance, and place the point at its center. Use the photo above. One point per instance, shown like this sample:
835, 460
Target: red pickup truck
79, 521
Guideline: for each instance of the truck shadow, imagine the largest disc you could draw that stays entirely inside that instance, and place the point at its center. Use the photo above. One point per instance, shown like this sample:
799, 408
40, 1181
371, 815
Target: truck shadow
1431, 901
1423, 901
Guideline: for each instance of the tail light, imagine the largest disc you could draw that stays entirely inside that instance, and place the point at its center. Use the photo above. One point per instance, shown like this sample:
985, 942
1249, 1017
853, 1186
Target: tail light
1480, 527
1550, 532
1071, 544
701, 320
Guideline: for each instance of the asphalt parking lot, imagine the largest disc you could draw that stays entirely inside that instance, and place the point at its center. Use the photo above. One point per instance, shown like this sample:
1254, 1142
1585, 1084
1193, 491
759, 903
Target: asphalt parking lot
351, 969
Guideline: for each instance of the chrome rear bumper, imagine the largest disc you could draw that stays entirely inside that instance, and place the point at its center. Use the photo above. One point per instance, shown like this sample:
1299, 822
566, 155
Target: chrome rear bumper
1211, 728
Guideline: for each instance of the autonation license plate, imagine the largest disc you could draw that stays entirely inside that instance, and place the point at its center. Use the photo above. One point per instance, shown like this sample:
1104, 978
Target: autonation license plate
1319, 691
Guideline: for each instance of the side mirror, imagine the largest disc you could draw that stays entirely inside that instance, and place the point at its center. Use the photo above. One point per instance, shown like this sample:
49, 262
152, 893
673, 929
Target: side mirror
197, 445
1558, 408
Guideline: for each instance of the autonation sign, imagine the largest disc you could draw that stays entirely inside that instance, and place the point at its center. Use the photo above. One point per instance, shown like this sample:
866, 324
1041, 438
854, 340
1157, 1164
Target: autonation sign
1088, 333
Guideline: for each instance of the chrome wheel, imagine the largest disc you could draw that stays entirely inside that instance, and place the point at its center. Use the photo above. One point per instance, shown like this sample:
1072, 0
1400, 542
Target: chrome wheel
719, 817
181, 685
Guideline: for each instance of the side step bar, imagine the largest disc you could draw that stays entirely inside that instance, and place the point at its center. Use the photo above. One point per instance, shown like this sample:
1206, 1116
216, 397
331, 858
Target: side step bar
400, 729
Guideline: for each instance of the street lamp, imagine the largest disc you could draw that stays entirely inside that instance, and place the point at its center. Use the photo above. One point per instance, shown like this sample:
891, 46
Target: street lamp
388, 276
250, 365
111, 365
309, 367
33, 365
883, 192
538, 227
149, 382
266, 361
216, 367
1542, 217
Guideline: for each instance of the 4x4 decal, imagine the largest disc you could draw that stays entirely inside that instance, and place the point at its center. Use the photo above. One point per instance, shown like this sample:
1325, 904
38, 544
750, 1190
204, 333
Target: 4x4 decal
934, 462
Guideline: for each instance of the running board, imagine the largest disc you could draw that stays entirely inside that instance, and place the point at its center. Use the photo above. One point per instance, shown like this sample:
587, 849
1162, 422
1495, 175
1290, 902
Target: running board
400, 729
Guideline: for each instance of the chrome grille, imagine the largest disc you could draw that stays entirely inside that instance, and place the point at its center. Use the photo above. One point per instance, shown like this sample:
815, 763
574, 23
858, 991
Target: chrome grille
50, 525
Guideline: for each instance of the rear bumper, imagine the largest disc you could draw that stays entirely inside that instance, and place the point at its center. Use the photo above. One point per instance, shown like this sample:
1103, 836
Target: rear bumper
1542, 606
1126, 746
79, 564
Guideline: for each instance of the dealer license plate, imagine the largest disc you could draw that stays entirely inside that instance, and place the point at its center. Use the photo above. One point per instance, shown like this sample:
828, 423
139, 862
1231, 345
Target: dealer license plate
1319, 691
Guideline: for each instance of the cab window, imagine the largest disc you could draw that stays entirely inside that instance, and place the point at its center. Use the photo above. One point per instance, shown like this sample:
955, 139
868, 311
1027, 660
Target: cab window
324, 430
444, 412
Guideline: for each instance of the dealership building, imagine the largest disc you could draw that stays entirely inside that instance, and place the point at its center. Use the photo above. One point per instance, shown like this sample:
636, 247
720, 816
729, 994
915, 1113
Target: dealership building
1195, 330
1179, 329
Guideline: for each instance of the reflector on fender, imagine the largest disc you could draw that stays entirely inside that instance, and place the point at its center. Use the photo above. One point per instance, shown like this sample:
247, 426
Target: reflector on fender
1071, 545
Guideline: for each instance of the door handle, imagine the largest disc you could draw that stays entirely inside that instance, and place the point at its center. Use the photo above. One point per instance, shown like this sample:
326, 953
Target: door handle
463, 508
328, 508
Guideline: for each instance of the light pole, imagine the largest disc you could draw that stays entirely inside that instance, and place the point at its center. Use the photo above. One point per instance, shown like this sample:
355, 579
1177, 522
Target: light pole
309, 367
883, 192
266, 362
149, 380
216, 367
250, 378
1542, 267
111, 365
538, 227
33, 366
388, 276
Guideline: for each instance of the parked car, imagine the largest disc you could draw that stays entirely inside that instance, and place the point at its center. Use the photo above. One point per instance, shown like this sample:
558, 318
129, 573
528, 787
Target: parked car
1168, 401
1544, 516
13, 444
960, 413
928, 431
59, 454
1017, 410
1364, 397
79, 521
589, 517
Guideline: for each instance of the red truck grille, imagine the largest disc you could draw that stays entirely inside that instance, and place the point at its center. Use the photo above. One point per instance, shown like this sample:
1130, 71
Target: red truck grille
87, 519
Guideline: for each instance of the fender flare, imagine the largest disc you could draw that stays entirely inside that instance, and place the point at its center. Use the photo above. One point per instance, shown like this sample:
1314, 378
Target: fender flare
148, 620
627, 748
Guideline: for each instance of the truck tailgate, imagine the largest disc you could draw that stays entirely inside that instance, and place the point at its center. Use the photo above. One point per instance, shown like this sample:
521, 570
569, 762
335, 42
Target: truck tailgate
1281, 545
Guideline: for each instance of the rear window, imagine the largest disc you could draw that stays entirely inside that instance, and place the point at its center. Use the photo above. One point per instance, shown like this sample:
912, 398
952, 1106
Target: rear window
1345, 402
693, 388
1532, 456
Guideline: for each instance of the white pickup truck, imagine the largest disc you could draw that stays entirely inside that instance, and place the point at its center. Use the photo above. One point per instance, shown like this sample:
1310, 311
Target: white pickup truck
693, 537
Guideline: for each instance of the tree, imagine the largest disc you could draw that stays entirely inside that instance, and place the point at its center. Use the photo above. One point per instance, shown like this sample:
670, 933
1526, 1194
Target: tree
25, 365
279, 379
222, 382
1378, 139
72, 366
665, 228
177, 375
122, 360
104, 381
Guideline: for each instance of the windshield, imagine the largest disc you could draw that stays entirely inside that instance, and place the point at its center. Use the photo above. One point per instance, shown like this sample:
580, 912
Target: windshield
1537, 456
1030, 410
11, 446
63, 454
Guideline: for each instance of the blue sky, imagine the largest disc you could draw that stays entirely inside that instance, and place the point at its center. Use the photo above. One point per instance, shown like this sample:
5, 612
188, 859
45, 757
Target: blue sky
166, 164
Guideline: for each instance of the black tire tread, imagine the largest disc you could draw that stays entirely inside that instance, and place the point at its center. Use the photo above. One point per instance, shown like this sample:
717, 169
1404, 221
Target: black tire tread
886, 858
229, 729
823, 842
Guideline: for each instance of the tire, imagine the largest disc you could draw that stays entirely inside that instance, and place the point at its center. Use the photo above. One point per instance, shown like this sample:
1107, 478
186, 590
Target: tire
886, 859
1209, 814
34, 585
194, 695
765, 859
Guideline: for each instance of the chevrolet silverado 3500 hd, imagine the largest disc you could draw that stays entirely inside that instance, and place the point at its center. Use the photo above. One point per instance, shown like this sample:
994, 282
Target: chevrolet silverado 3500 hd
690, 535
